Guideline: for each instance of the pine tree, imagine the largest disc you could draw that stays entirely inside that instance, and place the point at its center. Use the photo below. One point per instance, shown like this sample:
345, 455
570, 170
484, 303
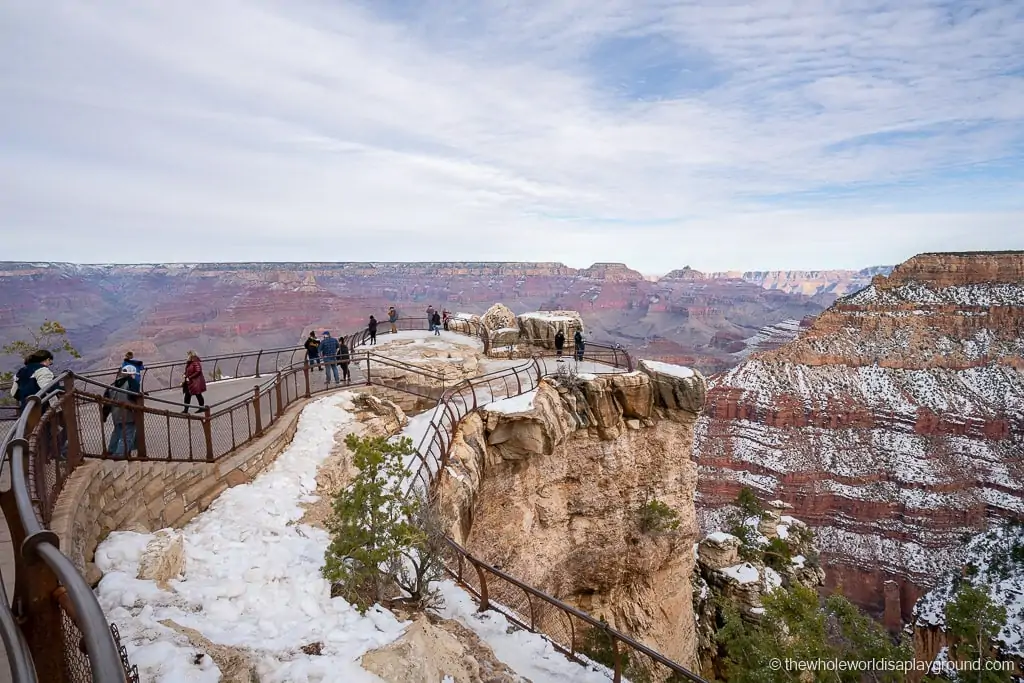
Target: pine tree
973, 621
371, 523
51, 336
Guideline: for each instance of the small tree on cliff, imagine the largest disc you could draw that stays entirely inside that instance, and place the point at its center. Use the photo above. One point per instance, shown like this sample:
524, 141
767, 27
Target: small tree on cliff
796, 628
973, 621
381, 539
51, 336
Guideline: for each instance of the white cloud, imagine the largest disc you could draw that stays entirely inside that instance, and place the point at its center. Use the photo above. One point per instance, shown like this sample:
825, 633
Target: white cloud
487, 130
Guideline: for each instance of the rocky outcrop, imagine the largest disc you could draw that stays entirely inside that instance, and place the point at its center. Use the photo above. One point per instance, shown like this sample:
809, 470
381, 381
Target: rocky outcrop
739, 572
541, 327
236, 665
433, 649
894, 424
810, 282
550, 485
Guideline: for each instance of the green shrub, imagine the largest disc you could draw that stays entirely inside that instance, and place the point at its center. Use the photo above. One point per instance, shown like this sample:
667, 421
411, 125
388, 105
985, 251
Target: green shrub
655, 517
380, 539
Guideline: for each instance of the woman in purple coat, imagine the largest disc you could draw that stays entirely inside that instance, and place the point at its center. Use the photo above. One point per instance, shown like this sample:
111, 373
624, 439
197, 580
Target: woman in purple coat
193, 383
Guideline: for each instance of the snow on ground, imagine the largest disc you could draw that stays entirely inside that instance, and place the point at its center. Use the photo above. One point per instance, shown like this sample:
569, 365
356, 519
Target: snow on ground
516, 404
720, 537
413, 343
528, 654
743, 572
252, 579
680, 371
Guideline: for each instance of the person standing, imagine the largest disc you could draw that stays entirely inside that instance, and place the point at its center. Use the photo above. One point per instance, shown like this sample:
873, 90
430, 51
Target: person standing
393, 319
559, 342
430, 317
33, 377
123, 438
313, 351
329, 357
193, 382
577, 339
372, 329
343, 360
445, 316
435, 324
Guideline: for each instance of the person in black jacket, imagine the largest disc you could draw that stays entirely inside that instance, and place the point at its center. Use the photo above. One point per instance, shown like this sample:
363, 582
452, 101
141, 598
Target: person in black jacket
372, 329
435, 323
559, 342
313, 351
343, 360
577, 339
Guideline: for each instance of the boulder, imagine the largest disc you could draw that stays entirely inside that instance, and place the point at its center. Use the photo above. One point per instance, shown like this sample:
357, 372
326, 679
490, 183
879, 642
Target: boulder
432, 652
540, 327
532, 424
606, 411
676, 387
769, 524
718, 550
164, 558
505, 336
497, 317
386, 417
633, 392
465, 323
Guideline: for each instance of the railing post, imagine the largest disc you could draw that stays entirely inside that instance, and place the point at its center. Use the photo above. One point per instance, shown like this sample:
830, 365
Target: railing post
305, 373
71, 424
484, 602
257, 409
208, 434
617, 677
277, 391
258, 356
368, 382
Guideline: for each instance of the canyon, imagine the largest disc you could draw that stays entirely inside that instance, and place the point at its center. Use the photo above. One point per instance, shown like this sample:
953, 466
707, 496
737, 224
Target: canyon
894, 424
160, 311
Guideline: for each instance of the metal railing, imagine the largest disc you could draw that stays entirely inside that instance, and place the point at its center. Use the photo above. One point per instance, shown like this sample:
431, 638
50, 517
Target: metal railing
62, 624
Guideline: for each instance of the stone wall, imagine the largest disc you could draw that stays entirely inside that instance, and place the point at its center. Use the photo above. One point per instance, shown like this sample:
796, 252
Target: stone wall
106, 495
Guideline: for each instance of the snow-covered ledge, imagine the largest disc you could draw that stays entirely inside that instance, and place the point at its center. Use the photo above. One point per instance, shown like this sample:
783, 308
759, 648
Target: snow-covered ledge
102, 496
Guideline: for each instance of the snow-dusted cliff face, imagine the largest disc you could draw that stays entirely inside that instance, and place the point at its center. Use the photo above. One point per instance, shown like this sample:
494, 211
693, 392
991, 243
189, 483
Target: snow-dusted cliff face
894, 424
993, 561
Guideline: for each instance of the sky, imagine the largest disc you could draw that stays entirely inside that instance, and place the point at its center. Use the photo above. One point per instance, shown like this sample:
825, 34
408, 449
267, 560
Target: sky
778, 134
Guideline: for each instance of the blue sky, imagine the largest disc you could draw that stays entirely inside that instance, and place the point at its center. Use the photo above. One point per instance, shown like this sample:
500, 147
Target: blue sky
776, 134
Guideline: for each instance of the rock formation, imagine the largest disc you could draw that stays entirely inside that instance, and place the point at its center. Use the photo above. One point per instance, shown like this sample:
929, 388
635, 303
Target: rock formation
550, 487
894, 424
433, 649
541, 327
736, 571
164, 558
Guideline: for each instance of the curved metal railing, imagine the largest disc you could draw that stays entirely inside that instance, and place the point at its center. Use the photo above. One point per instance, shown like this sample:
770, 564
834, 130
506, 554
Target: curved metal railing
59, 438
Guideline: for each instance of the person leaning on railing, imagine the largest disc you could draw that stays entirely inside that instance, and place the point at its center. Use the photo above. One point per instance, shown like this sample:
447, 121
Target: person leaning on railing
34, 376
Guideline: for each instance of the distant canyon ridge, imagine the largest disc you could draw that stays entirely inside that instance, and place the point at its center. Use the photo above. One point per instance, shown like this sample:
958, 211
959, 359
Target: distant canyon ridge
710, 321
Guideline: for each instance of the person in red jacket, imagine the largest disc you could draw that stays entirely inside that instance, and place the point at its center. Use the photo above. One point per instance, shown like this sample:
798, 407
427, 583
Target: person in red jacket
193, 383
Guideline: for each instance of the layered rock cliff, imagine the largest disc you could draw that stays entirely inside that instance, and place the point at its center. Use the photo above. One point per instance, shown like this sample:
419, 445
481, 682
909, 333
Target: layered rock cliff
551, 486
894, 424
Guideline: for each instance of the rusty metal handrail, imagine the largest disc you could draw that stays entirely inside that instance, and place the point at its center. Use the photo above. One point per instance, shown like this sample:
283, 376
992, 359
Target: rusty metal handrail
80, 602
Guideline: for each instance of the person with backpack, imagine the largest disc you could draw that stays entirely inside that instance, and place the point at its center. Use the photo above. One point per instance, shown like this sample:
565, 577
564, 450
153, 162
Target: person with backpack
372, 329
129, 359
435, 324
577, 339
559, 342
329, 356
193, 382
343, 359
33, 377
122, 440
393, 319
312, 346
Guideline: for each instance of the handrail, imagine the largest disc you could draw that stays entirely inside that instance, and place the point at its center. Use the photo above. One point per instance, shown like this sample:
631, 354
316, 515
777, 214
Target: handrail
19, 657
78, 602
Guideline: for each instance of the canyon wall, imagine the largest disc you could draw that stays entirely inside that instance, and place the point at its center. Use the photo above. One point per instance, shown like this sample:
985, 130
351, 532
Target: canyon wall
159, 311
894, 423
551, 487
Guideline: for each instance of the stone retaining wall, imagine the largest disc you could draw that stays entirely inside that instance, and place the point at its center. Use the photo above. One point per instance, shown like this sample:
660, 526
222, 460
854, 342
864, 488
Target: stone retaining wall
105, 495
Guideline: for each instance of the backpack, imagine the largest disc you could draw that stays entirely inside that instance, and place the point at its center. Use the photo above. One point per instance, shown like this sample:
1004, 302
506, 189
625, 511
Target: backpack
28, 385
